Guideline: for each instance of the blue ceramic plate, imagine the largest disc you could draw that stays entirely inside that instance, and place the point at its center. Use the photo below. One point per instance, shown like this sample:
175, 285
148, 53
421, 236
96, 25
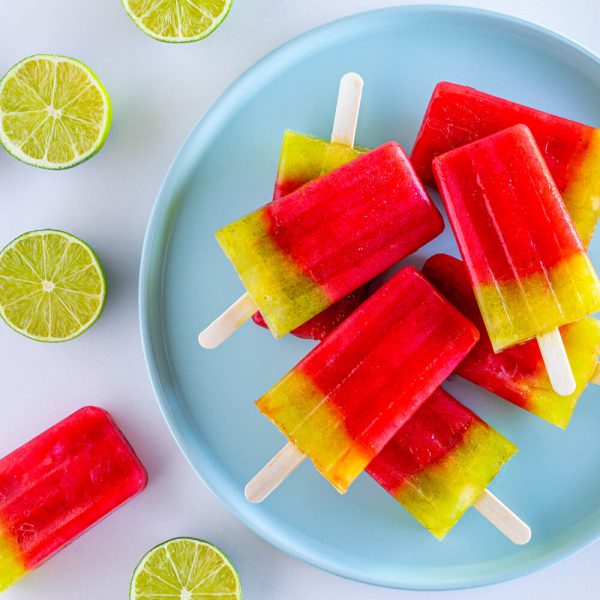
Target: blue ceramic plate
225, 169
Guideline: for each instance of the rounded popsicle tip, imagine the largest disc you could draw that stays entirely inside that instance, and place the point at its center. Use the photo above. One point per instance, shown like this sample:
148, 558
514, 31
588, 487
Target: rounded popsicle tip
521, 535
564, 387
255, 493
208, 340
274, 473
227, 323
351, 78
504, 519
347, 109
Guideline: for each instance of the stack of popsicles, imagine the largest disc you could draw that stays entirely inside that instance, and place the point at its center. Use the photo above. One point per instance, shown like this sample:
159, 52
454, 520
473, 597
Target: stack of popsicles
518, 373
368, 396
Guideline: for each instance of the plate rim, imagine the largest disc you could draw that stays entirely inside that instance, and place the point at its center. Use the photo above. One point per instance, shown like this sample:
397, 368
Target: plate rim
158, 231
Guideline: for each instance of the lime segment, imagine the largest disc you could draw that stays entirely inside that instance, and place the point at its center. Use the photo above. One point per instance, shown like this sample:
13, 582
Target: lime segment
54, 112
185, 569
177, 20
52, 286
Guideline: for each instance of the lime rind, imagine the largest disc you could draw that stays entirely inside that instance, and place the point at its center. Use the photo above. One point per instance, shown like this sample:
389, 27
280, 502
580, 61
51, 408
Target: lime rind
103, 126
97, 269
176, 588
217, 21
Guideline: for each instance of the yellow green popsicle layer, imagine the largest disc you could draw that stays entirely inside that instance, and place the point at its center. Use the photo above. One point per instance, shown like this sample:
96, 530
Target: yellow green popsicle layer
518, 311
304, 158
582, 193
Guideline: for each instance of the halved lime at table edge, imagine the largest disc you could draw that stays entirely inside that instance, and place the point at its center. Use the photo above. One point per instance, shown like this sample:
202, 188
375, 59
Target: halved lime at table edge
177, 21
52, 286
185, 569
54, 112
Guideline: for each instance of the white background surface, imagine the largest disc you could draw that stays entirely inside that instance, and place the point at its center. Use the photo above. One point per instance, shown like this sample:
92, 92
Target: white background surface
159, 91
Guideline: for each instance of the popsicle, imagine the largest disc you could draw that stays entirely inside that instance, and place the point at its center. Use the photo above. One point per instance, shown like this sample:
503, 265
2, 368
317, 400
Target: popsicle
526, 263
518, 373
458, 115
304, 158
58, 485
302, 253
344, 401
440, 462
342, 138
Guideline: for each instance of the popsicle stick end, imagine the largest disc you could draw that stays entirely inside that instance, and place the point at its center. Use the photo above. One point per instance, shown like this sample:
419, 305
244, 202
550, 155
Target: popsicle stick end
504, 519
227, 323
557, 363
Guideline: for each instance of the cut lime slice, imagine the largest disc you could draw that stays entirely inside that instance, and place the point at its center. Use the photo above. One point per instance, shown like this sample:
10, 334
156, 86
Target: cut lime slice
185, 569
54, 112
177, 20
52, 286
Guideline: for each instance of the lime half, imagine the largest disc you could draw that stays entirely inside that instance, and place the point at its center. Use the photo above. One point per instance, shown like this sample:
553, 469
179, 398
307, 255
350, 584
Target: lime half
185, 569
54, 112
177, 20
52, 286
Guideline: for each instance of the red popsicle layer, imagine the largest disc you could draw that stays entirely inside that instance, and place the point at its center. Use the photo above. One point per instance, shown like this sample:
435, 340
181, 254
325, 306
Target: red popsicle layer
59, 484
458, 115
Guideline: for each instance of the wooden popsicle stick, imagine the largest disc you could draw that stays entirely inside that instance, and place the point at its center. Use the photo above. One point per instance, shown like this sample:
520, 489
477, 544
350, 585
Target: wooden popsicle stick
277, 470
274, 473
596, 376
501, 517
228, 322
347, 109
557, 363
344, 132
